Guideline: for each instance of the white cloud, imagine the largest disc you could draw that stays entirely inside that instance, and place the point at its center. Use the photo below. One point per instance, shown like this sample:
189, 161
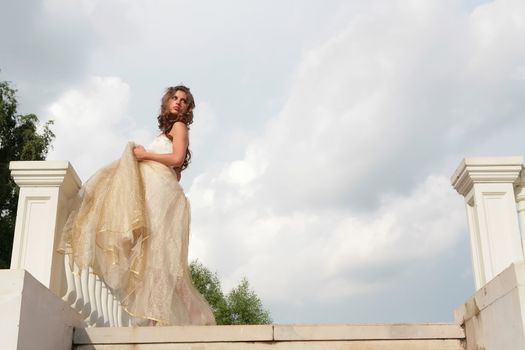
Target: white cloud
349, 182
346, 186
204, 124
92, 125
296, 255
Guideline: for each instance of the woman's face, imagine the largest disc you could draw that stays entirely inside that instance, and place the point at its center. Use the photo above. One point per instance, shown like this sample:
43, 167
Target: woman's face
178, 103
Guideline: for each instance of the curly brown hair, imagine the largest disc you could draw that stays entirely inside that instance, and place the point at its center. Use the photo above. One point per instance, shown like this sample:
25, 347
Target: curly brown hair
167, 119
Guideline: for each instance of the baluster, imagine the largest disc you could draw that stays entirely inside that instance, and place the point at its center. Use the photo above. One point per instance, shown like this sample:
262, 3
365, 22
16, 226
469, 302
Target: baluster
115, 311
76, 280
110, 309
123, 317
92, 298
104, 302
86, 309
71, 295
119, 315
98, 301
80, 304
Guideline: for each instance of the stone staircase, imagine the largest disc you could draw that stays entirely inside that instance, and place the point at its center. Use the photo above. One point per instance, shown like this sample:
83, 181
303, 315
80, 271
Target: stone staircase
269, 337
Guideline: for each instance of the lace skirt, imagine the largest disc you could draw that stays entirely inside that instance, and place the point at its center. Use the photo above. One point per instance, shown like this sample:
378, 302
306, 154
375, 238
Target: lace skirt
130, 223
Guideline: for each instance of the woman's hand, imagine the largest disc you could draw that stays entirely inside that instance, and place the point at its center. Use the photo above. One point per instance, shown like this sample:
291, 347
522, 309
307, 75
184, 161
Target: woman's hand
140, 152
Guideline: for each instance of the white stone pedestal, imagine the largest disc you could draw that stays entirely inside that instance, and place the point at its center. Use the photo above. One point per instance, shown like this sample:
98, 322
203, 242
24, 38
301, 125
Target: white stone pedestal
31, 316
494, 318
487, 183
45, 190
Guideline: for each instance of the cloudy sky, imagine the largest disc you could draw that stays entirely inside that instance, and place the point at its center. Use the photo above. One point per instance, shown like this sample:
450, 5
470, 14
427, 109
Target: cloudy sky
325, 132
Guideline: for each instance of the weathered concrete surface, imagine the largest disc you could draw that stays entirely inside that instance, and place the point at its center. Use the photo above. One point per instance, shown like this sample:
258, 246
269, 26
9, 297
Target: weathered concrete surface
279, 337
494, 317
32, 316
313, 345
181, 334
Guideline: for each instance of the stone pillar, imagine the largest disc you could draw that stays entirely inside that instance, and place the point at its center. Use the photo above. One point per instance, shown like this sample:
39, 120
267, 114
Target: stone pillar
487, 183
43, 206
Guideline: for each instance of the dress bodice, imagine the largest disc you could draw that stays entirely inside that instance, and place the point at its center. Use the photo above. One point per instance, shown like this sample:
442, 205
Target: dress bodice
161, 144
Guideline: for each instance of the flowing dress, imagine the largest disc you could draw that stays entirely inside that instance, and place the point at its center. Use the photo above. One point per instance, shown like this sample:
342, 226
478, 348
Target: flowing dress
130, 224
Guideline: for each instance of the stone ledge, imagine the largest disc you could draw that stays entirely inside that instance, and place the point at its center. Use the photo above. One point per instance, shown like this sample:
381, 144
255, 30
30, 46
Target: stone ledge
432, 344
178, 334
368, 332
267, 333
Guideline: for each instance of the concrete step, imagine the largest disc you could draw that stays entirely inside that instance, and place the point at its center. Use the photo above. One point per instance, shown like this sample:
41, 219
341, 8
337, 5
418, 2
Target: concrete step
278, 337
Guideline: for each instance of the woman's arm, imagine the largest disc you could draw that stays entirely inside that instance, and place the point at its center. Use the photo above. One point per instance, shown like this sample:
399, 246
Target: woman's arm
179, 133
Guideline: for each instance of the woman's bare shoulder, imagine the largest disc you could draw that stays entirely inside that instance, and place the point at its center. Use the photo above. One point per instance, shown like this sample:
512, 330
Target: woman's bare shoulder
178, 128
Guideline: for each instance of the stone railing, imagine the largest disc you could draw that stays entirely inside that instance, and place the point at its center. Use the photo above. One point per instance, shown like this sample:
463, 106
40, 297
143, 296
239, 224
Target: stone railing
46, 191
91, 297
494, 192
493, 187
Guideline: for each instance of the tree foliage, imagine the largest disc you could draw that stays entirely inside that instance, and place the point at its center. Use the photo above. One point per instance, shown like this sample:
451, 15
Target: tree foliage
20, 139
245, 306
240, 306
208, 284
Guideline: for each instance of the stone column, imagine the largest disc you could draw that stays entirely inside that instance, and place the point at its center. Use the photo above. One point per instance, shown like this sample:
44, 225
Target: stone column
43, 205
487, 183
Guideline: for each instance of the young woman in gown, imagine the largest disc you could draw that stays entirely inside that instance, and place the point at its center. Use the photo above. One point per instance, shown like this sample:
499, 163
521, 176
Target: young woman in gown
130, 223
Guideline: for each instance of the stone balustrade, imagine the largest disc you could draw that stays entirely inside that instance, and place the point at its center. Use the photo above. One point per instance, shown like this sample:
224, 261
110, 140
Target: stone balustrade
47, 189
492, 319
90, 296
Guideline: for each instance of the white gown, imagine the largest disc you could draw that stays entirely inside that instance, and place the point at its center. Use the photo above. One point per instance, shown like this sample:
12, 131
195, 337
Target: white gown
131, 225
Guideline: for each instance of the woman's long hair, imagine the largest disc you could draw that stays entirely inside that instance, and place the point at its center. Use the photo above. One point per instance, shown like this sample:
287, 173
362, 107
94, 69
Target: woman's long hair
167, 119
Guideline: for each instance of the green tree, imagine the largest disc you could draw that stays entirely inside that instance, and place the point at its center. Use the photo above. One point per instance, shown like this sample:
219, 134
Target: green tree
240, 306
19, 140
208, 284
245, 306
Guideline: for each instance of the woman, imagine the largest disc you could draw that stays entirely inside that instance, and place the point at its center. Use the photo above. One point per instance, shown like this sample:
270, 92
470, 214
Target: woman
176, 114
131, 224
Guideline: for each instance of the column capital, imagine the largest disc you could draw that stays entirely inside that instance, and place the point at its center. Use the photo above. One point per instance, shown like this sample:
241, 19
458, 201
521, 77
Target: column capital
521, 180
473, 170
45, 173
